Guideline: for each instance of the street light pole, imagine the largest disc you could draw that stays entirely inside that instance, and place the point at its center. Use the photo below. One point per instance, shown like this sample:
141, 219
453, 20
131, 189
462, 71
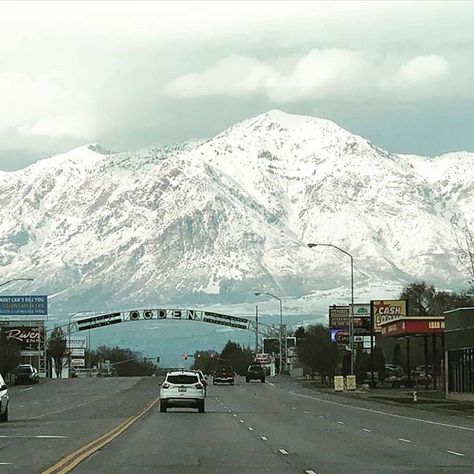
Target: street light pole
281, 326
351, 314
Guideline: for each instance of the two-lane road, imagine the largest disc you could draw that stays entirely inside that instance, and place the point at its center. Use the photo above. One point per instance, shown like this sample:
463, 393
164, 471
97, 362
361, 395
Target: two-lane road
280, 427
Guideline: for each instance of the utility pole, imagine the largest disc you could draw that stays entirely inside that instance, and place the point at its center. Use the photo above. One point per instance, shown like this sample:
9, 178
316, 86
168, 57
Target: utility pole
256, 329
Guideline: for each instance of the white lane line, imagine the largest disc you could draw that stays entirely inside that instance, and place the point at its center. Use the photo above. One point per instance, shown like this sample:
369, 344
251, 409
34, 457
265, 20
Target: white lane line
455, 453
234, 415
272, 384
264, 438
321, 416
404, 440
340, 422
5, 463
310, 471
229, 411
283, 451
366, 430
26, 389
249, 428
242, 421
379, 412
306, 412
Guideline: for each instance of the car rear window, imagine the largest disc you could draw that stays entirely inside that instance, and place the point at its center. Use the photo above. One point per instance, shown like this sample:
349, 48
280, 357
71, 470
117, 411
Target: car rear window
182, 379
24, 370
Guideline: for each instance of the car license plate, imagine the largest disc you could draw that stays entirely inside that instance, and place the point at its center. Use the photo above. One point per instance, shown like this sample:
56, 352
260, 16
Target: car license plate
181, 389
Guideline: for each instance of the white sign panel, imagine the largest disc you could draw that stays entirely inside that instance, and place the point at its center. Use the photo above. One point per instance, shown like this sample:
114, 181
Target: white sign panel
77, 342
77, 352
78, 362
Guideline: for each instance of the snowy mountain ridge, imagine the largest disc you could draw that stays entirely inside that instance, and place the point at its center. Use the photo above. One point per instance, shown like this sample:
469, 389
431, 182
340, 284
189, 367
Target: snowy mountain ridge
211, 221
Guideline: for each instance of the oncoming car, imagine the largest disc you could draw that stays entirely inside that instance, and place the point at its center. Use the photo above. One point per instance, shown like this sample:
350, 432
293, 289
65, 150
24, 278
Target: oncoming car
26, 373
182, 389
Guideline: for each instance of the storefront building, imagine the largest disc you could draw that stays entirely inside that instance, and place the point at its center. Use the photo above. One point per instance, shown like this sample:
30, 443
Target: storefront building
460, 353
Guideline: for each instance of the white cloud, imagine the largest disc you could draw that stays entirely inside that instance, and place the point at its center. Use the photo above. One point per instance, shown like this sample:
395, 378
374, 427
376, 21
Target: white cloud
422, 69
320, 74
40, 105
231, 76
333, 73
58, 126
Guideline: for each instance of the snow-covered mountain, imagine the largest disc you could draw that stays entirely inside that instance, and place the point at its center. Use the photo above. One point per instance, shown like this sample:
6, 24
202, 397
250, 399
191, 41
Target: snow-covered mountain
211, 221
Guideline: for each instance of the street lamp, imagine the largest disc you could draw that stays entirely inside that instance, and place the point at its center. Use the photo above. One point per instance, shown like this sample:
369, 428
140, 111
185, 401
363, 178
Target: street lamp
15, 279
281, 324
351, 316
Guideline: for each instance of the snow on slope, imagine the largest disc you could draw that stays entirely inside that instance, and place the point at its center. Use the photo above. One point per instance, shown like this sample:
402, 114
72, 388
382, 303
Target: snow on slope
213, 220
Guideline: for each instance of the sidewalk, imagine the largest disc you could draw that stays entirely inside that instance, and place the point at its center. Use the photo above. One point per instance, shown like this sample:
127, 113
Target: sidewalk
429, 400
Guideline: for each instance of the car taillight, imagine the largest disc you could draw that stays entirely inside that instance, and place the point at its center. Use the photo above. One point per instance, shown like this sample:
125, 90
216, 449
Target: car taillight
165, 385
200, 386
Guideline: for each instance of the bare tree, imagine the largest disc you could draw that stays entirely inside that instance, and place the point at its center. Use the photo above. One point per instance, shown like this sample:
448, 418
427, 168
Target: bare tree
57, 349
465, 250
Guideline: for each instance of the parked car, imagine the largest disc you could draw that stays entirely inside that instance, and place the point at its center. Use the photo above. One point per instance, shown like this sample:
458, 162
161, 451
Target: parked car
223, 375
26, 373
182, 388
255, 372
4, 400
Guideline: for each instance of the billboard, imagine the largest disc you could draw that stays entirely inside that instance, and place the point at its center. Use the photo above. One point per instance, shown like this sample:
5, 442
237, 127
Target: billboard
19, 305
340, 336
338, 316
387, 310
28, 338
362, 321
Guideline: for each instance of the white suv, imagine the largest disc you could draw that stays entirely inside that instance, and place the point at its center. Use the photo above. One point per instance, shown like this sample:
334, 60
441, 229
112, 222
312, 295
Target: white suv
4, 399
182, 388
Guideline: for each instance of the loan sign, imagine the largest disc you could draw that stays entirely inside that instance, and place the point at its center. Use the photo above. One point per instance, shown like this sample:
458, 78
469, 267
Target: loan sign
387, 310
24, 305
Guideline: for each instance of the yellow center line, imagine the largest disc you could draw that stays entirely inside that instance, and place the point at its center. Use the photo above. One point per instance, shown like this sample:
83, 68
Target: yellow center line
69, 462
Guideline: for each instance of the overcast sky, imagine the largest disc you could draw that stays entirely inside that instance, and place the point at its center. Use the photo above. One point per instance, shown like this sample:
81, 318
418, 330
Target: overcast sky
129, 75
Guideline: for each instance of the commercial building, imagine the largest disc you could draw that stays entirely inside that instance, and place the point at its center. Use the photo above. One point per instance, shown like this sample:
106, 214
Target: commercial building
459, 339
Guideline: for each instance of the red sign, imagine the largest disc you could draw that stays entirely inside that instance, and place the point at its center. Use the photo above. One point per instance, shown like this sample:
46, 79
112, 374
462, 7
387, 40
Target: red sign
412, 325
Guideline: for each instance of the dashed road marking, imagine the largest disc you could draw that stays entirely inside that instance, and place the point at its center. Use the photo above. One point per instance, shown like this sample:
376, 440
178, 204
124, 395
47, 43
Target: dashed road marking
264, 438
340, 422
229, 411
272, 384
366, 430
234, 415
321, 416
404, 440
5, 463
310, 471
283, 451
379, 412
242, 421
26, 389
249, 428
306, 412
455, 453
293, 408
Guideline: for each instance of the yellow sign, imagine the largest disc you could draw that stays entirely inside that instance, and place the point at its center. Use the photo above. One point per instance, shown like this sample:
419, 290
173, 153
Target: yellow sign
338, 383
351, 382
387, 310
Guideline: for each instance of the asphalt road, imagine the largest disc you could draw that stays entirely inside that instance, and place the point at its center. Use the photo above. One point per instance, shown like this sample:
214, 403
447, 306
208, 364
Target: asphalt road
54, 418
279, 427
276, 427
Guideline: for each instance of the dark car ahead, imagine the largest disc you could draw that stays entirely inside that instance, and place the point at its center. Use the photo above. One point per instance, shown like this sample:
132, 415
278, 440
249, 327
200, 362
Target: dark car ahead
223, 375
26, 373
255, 372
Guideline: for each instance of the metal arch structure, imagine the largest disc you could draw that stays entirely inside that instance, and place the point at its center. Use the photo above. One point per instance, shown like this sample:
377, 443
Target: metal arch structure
108, 319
